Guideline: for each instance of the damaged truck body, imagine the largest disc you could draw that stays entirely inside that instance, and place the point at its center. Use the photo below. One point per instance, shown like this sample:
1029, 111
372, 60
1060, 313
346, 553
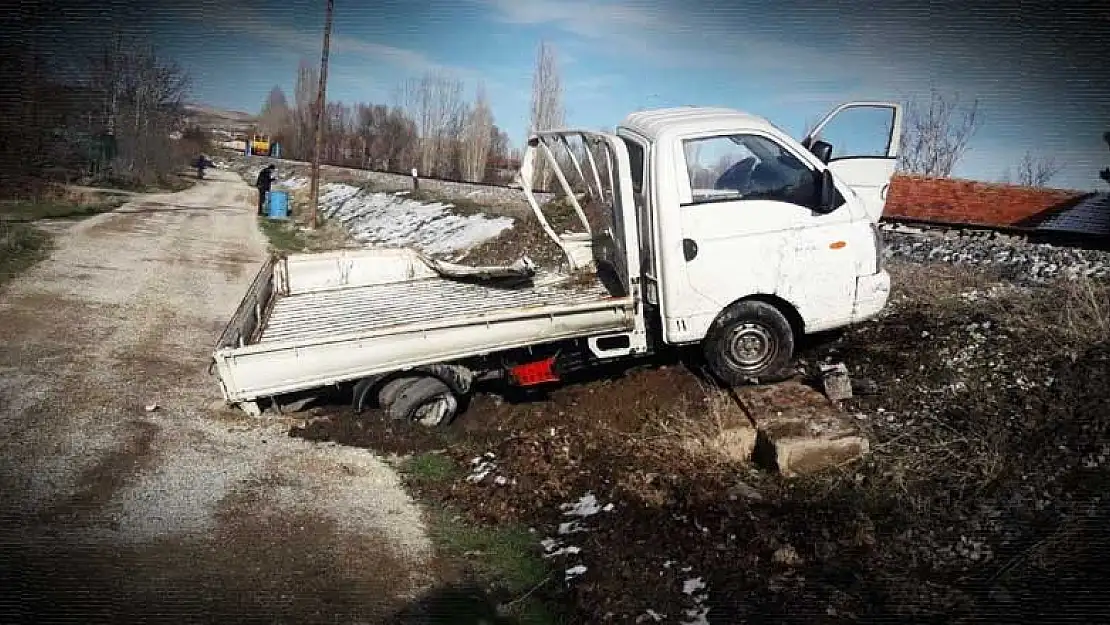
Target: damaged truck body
697, 226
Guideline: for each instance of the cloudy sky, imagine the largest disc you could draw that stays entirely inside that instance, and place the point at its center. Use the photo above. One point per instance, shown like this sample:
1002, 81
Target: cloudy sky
1038, 71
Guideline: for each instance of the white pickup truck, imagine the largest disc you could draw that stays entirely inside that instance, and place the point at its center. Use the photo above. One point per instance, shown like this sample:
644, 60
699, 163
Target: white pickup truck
700, 226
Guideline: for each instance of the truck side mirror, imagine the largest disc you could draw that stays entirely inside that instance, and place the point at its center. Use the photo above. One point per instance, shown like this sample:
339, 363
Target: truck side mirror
822, 150
826, 192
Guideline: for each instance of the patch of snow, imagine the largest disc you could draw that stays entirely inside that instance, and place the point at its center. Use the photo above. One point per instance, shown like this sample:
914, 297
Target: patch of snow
691, 586
294, 183
391, 219
697, 614
570, 527
650, 614
586, 506
574, 571
483, 467
564, 551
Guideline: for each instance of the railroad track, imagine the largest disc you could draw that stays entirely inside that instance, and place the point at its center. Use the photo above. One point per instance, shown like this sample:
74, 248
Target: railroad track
1057, 238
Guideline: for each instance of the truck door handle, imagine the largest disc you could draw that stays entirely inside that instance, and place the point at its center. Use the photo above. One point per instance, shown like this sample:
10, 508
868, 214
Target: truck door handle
689, 249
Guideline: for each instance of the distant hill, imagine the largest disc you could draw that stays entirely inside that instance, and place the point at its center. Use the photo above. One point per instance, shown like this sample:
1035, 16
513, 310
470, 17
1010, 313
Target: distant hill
213, 118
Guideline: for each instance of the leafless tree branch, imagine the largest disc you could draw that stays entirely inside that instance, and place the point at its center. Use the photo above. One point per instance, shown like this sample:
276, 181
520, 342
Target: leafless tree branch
1034, 171
935, 135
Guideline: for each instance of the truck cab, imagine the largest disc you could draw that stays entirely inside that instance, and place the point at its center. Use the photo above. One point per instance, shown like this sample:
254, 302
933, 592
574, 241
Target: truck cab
747, 238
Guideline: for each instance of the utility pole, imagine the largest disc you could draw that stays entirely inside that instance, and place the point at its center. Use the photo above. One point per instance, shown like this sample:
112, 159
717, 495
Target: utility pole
315, 188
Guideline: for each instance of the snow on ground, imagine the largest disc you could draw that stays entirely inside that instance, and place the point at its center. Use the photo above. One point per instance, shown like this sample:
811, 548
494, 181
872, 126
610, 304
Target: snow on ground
394, 220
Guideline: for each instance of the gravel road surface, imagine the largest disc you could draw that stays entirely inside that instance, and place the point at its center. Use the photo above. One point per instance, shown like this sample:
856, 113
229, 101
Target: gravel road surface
190, 512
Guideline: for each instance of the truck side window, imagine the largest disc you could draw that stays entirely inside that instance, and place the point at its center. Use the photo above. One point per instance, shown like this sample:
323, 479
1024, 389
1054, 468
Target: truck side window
746, 167
636, 163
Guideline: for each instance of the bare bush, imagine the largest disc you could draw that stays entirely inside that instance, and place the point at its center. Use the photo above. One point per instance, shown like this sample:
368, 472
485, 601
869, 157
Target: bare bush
935, 135
1076, 315
1033, 171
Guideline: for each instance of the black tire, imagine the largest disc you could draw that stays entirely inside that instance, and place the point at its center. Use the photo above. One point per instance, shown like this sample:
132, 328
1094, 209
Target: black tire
750, 341
389, 391
427, 401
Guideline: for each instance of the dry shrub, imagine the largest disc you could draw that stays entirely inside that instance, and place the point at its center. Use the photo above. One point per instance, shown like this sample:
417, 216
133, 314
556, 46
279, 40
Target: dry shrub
1084, 313
1068, 314
715, 428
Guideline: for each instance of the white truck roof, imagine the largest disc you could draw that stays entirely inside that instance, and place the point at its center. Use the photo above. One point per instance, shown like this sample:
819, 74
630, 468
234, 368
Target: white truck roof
654, 124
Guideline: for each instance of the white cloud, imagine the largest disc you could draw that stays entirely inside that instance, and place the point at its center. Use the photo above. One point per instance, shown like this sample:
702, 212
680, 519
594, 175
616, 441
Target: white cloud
732, 40
242, 20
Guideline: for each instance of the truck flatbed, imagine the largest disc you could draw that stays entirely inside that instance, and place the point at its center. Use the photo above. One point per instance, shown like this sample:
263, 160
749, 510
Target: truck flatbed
311, 320
310, 316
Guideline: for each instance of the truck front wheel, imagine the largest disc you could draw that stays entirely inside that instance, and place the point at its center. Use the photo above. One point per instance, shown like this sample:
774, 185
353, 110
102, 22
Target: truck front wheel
426, 400
750, 341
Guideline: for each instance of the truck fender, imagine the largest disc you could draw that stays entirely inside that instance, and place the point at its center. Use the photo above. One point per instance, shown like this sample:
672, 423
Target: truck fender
457, 377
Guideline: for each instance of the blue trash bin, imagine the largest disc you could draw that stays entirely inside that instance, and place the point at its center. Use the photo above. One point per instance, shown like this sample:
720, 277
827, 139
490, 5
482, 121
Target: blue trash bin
279, 204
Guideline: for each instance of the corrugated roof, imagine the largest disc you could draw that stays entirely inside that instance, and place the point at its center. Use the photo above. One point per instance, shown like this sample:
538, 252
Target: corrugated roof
1091, 216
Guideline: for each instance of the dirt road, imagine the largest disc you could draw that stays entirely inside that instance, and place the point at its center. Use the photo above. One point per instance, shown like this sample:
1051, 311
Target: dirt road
187, 513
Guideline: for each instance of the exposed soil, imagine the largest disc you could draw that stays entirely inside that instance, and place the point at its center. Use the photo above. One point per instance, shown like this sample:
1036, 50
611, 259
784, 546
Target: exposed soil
981, 500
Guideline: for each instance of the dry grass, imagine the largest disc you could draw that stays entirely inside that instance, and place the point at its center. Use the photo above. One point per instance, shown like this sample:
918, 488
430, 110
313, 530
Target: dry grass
1065, 315
1082, 312
21, 246
936, 283
714, 429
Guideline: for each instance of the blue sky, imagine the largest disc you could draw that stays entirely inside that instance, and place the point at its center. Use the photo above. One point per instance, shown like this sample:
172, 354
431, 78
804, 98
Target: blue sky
1036, 73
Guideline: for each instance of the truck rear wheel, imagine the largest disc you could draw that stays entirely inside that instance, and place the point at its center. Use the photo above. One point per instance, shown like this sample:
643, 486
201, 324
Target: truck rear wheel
750, 341
426, 400
390, 389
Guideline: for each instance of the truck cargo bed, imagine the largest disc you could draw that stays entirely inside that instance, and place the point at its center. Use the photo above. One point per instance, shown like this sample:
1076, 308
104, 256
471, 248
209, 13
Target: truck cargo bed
311, 320
308, 316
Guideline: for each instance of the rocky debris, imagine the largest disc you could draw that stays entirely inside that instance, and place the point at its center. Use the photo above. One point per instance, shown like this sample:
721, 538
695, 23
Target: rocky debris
1014, 258
837, 382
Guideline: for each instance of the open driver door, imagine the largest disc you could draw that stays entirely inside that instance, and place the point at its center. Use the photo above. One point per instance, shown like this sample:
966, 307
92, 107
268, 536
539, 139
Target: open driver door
859, 141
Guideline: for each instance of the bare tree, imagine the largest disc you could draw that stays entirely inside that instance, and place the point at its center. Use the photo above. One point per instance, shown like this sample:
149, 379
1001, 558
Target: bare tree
142, 101
499, 156
304, 112
547, 104
935, 135
477, 139
276, 117
434, 102
1033, 171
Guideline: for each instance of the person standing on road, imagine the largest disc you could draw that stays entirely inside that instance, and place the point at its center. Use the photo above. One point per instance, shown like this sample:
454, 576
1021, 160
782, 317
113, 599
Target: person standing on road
263, 183
201, 163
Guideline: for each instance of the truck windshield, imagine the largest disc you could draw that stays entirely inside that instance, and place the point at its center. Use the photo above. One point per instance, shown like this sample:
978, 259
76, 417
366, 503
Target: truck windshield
745, 166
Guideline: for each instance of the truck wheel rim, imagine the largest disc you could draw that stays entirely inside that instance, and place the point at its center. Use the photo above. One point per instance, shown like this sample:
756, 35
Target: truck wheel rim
751, 346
